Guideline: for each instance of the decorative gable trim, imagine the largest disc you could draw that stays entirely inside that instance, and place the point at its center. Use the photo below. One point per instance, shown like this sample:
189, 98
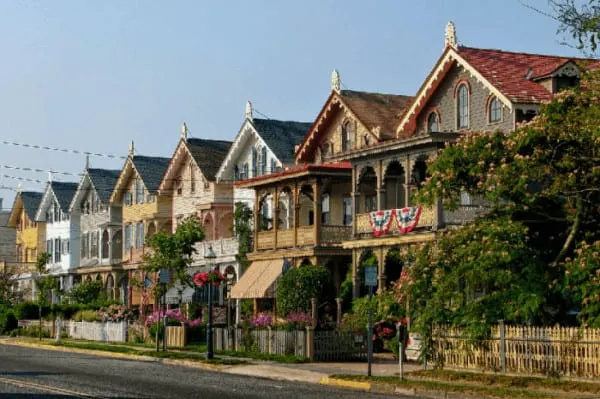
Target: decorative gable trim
17, 207
122, 180
166, 184
440, 70
76, 198
47, 199
333, 100
247, 131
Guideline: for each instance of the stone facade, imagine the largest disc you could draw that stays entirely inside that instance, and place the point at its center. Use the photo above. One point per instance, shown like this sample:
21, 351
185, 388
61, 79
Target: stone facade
443, 100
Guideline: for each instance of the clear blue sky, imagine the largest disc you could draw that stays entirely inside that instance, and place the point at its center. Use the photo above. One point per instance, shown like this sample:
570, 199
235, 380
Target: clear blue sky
94, 75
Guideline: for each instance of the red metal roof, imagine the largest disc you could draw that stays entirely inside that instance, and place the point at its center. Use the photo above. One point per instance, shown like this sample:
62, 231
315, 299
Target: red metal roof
514, 74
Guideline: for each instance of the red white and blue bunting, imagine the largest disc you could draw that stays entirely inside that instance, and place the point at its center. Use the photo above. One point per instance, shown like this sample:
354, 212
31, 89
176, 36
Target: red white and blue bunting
407, 218
381, 221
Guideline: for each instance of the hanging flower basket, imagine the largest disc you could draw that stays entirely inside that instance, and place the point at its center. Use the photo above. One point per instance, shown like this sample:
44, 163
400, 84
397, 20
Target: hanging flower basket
214, 278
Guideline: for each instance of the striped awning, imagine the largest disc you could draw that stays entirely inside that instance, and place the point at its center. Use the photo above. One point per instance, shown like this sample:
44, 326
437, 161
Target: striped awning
259, 280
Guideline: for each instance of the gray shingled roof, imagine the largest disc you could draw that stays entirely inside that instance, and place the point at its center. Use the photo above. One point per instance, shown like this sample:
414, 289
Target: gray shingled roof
208, 154
31, 202
151, 170
64, 192
282, 136
104, 181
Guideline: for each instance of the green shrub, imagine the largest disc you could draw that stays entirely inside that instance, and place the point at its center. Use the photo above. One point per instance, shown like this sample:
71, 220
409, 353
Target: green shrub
29, 311
8, 322
197, 334
86, 315
299, 285
32, 331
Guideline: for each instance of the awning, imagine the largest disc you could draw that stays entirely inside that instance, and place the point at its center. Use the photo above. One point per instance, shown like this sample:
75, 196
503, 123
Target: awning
259, 280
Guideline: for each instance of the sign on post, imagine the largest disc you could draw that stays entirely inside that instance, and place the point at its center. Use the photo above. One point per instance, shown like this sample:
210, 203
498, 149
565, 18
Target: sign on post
371, 276
164, 276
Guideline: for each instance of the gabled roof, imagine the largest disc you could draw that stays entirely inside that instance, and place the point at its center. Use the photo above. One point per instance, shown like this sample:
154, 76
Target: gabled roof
104, 181
31, 202
512, 77
281, 136
27, 200
208, 155
151, 170
373, 110
64, 192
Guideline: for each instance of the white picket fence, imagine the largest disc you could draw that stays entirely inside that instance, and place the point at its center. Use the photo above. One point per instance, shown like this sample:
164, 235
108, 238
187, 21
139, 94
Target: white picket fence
98, 331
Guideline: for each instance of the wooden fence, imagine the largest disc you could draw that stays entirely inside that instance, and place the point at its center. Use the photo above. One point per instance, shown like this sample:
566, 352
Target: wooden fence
176, 336
553, 351
339, 346
97, 331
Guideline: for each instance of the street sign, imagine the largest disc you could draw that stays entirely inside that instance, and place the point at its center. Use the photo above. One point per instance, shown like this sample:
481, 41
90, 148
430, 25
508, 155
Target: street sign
371, 276
164, 276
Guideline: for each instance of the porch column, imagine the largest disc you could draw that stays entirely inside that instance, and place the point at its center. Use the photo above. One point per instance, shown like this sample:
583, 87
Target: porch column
381, 205
355, 287
275, 215
380, 269
296, 211
316, 211
407, 164
256, 217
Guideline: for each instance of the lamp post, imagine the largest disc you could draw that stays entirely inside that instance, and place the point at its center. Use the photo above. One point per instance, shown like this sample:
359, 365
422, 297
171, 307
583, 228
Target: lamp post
210, 257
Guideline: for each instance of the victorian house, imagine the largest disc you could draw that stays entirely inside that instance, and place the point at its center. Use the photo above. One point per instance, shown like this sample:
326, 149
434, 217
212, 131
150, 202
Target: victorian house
62, 231
190, 182
144, 212
468, 89
312, 200
101, 236
30, 240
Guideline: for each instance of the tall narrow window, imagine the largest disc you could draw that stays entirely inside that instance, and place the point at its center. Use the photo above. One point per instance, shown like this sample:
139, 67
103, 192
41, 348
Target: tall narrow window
57, 250
347, 136
273, 166
495, 111
245, 173
462, 106
370, 203
236, 173
263, 160
325, 209
347, 210
254, 157
179, 185
127, 237
433, 123
192, 178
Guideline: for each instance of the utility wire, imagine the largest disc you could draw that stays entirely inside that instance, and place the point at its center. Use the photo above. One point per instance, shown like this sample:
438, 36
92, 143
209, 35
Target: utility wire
66, 150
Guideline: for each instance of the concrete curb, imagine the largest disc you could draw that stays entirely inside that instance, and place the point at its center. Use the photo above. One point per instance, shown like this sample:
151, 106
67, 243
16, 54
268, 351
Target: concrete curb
392, 389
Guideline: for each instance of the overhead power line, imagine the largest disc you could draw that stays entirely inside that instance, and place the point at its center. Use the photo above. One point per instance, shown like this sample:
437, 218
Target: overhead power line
65, 150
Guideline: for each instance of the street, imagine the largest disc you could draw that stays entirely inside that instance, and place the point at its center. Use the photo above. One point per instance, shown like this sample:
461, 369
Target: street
36, 373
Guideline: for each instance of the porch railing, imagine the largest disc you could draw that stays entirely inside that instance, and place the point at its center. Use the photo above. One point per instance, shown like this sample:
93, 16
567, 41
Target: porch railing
222, 247
335, 234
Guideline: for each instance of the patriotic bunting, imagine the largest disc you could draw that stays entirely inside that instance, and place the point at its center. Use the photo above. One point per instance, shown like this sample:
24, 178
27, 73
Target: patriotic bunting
381, 221
407, 218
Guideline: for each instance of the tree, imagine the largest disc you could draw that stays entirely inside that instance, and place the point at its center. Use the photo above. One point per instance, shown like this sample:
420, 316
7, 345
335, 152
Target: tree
579, 20
174, 251
87, 292
298, 285
242, 220
7, 294
541, 183
44, 283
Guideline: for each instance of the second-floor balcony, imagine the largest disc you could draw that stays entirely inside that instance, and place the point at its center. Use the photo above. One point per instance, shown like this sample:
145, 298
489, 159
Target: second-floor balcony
303, 236
222, 247
364, 228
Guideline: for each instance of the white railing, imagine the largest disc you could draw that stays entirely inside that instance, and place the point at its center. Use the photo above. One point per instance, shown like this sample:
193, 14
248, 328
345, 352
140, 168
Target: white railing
222, 247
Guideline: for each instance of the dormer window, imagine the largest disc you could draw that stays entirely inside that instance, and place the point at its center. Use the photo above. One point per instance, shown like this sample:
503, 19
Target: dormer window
462, 106
347, 136
495, 110
433, 122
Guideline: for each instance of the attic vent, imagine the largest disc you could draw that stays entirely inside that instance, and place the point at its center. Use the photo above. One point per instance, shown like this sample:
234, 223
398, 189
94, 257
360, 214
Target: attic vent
529, 73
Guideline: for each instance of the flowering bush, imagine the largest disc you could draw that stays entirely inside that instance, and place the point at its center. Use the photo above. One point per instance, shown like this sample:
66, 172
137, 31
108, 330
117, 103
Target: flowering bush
116, 313
386, 329
262, 320
298, 320
174, 314
214, 277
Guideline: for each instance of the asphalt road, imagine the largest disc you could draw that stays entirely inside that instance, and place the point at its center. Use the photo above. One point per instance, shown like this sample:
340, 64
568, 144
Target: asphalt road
36, 373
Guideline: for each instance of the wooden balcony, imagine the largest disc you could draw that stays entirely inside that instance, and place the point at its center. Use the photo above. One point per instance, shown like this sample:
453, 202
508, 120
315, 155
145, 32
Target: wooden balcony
305, 236
426, 220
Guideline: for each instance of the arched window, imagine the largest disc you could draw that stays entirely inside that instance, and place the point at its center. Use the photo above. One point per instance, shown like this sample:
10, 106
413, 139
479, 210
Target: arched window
433, 122
347, 136
462, 106
495, 110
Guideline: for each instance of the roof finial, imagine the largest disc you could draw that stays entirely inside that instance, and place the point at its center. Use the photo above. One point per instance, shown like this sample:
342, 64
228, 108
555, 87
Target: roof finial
19, 187
131, 149
184, 131
249, 111
87, 162
450, 37
335, 81
50, 176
